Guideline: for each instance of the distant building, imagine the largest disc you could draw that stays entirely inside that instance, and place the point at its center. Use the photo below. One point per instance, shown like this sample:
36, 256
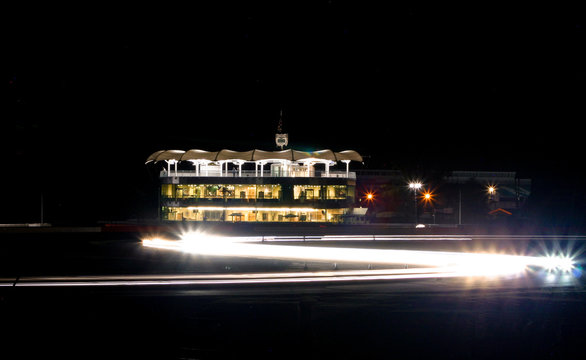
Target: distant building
285, 186
510, 192
458, 196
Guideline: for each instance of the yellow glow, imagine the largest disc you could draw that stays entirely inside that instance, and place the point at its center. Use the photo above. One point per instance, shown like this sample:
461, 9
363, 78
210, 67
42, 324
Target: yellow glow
369, 196
220, 208
427, 196
491, 189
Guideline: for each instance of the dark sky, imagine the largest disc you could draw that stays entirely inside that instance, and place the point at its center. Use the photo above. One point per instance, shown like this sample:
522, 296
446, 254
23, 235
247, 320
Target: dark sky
480, 86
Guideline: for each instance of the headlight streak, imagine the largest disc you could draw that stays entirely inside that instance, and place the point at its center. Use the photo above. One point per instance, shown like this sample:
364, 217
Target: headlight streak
323, 238
238, 279
462, 264
556, 270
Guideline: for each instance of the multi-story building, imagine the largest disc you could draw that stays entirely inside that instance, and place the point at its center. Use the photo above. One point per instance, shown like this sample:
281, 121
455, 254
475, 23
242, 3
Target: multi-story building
285, 186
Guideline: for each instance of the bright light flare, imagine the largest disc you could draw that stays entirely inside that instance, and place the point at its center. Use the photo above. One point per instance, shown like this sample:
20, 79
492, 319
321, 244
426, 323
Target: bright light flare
415, 185
558, 263
459, 263
428, 197
369, 196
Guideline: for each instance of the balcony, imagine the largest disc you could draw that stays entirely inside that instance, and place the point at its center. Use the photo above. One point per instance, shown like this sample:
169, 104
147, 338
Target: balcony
223, 202
251, 173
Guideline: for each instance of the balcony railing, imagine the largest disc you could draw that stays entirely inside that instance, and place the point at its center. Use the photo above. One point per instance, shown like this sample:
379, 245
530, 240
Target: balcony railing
252, 173
178, 202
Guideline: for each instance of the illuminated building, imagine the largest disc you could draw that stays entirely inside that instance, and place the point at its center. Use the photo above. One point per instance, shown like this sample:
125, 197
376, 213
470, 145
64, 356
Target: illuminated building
255, 185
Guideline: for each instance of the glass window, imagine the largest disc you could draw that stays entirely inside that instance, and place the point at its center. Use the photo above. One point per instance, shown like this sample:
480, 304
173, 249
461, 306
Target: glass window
307, 192
221, 191
167, 191
235, 214
336, 191
268, 191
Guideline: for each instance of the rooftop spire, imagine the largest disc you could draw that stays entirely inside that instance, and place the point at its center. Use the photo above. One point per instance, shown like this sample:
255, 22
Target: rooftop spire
281, 139
280, 126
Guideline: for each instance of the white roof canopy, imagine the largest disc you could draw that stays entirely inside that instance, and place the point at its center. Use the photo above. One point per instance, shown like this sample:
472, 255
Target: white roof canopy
165, 155
253, 155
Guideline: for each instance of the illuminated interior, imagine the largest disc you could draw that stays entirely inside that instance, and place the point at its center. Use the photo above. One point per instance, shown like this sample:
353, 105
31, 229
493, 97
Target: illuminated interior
252, 191
323, 192
285, 186
237, 214
220, 191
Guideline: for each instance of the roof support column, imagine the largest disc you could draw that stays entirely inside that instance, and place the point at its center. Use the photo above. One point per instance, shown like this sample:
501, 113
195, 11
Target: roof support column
256, 164
239, 163
169, 162
347, 167
196, 165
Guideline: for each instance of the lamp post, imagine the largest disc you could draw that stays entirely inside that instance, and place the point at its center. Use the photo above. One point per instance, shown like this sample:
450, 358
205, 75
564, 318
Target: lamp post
491, 192
428, 198
415, 186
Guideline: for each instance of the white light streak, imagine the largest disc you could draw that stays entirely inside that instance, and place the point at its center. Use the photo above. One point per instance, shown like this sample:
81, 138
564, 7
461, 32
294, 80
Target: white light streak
465, 264
337, 238
239, 279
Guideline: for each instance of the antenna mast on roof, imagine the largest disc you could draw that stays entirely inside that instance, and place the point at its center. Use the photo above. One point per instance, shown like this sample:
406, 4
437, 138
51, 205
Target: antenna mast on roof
280, 138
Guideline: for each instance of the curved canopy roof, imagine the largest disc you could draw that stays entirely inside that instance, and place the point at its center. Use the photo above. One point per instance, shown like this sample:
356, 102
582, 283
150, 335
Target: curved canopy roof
166, 155
195, 154
253, 155
234, 155
349, 155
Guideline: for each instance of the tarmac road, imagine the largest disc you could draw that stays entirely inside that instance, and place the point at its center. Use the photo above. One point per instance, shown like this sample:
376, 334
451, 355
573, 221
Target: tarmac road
440, 318
534, 316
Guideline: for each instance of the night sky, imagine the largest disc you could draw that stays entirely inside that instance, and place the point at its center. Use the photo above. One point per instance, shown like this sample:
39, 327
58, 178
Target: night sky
92, 91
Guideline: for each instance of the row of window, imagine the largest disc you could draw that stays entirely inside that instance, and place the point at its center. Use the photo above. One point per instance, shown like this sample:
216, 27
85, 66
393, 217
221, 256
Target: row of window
237, 191
221, 191
237, 215
323, 192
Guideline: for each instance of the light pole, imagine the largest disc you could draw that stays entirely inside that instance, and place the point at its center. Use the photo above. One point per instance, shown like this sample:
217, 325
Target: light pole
491, 191
428, 198
415, 186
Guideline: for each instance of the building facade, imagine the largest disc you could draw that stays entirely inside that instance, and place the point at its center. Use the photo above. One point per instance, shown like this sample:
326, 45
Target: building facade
285, 186
456, 197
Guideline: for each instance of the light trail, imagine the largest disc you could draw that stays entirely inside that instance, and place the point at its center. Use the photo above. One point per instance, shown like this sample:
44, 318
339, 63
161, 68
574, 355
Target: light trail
470, 264
321, 238
238, 279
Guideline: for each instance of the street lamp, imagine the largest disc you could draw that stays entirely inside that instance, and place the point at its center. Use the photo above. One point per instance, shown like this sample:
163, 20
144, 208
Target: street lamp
428, 198
415, 186
491, 191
